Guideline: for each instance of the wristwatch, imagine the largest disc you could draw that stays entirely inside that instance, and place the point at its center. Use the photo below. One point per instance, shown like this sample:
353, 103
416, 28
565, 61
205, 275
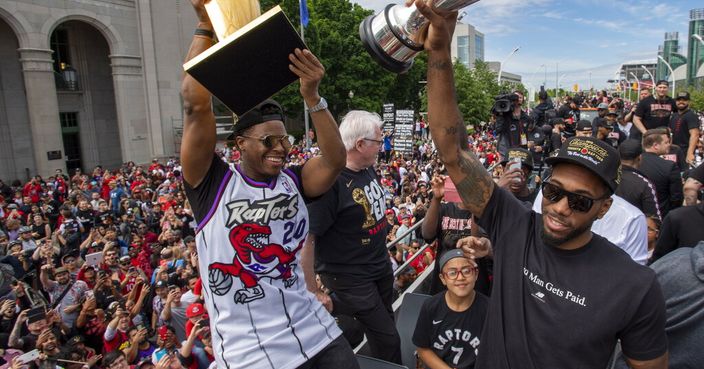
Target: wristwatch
321, 105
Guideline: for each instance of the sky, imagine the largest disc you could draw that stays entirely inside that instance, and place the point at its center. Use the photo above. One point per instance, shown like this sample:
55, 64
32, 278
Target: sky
579, 36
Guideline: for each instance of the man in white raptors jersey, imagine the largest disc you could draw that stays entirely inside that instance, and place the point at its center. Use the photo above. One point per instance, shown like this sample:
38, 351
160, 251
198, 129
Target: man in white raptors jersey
252, 222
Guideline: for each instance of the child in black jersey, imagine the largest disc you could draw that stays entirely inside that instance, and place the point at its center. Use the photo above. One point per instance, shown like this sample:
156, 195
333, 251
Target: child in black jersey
447, 333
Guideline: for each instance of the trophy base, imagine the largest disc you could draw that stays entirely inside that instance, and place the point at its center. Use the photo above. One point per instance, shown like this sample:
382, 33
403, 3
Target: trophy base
377, 53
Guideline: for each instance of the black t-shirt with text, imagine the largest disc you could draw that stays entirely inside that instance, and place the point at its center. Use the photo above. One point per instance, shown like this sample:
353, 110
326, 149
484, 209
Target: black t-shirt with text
454, 336
455, 223
554, 308
655, 112
350, 227
680, 124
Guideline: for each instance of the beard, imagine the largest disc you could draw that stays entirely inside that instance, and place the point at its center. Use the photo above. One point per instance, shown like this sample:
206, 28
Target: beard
554, 241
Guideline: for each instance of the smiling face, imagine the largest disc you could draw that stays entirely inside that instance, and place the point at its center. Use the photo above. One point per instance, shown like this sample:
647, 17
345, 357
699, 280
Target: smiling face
258, 161
465, 273
567, 228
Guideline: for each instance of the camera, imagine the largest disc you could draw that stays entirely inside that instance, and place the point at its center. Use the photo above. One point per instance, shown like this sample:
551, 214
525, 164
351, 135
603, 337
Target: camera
503, 103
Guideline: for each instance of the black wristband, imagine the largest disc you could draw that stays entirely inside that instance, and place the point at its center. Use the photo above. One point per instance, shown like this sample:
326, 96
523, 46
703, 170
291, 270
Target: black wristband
204, 32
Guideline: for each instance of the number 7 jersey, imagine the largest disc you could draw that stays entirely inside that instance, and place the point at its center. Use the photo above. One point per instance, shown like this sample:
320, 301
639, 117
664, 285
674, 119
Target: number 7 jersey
249, 239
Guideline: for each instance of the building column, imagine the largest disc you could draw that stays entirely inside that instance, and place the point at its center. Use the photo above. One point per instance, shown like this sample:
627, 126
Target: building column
131, 108
43, 109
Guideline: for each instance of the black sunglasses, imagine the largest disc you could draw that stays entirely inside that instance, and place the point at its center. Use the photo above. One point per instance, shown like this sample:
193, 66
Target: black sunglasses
575, 201
271, 140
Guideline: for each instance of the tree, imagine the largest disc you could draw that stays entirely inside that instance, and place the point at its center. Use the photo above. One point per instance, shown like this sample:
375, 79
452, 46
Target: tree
332, 35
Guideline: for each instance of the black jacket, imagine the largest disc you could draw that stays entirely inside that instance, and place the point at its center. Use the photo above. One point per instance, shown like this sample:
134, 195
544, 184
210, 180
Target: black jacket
639, 191
681, 228
665, 175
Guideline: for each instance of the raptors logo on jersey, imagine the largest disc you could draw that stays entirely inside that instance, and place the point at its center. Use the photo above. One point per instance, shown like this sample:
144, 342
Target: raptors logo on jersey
249, 244
255, 258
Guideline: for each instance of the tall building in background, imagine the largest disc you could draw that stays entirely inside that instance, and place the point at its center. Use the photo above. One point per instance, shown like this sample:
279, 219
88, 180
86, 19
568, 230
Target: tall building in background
670, 50
467, 45
695, 51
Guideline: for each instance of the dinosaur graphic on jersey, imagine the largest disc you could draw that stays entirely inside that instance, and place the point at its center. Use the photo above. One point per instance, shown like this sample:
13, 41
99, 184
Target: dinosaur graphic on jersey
255, 258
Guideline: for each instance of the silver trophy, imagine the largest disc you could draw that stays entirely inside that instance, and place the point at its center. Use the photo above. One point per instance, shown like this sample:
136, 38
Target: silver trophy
392, 37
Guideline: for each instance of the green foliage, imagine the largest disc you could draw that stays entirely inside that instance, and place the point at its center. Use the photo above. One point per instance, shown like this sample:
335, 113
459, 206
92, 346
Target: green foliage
333, 36
696, 101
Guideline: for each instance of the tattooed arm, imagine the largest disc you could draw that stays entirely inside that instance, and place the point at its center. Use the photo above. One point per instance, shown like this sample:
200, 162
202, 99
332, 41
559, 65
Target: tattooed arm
473, 182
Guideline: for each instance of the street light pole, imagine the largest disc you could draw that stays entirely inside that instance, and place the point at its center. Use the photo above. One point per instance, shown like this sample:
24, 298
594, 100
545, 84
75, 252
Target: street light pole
672, 73
652, 78
558, 83
501, 65
590, 81
638, 82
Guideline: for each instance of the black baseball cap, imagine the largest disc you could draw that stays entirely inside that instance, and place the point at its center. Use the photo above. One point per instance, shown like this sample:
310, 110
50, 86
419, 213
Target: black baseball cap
519, 153
584, 125
449, 255
612, 112
684, 95
630, 149
662, 82
266, 111
594, 155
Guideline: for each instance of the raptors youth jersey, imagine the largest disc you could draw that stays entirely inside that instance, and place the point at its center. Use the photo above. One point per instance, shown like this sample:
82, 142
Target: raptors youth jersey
249, 239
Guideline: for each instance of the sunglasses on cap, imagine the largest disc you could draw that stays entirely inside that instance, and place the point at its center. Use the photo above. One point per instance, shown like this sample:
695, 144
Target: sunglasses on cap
575, 201
270, 141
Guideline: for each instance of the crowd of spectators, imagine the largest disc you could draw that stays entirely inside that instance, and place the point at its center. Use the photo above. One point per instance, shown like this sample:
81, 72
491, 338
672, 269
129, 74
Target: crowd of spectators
100, 268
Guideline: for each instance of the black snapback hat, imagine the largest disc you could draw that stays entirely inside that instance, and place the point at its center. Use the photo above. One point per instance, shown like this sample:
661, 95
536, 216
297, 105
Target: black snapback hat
630, 149
594, 155
266, 111
584, 125
519, 153
449, 255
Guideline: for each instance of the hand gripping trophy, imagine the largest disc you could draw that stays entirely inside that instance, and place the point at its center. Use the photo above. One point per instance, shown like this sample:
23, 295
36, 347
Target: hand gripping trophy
394, 36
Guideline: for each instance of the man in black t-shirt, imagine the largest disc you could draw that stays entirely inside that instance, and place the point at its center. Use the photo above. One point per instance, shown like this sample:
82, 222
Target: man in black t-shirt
448, 330
653, 111
570, 113
684, 126
349, 226
554, 302
447, 222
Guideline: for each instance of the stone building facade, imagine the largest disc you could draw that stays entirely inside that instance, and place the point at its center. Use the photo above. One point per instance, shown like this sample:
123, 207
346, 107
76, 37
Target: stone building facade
89, 82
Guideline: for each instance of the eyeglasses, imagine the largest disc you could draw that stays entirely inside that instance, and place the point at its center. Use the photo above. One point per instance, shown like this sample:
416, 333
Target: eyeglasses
270, 141
455, 273
575, 201
378, 142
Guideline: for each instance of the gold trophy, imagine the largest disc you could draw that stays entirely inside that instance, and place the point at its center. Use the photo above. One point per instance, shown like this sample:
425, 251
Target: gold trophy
227, 16
360, 198
249, 63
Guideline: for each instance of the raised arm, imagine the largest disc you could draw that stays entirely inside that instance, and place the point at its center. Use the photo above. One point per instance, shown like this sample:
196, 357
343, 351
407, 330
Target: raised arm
320, 172
473, 183
199, 137
429, 227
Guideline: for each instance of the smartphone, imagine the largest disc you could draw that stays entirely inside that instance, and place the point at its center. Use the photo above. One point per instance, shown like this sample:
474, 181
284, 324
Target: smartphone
451, 194
515, 164
29, 356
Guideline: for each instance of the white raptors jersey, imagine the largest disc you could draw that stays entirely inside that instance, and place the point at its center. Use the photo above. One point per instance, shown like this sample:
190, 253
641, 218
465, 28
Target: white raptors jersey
261, 314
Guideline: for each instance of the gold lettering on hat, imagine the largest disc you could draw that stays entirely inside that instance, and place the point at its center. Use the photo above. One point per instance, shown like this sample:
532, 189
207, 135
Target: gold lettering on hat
588, 149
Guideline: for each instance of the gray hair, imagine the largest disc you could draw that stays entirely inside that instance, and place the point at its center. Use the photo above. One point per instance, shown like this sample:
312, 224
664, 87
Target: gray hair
358, 124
